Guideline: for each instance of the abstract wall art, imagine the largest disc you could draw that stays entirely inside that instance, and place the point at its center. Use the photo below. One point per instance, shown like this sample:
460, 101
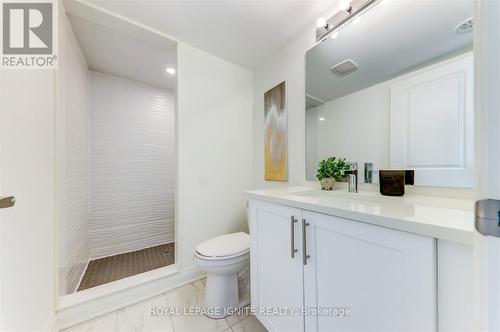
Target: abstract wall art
275, 113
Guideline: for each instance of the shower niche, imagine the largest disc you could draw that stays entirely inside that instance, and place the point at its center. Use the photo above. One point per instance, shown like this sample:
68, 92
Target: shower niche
116, 138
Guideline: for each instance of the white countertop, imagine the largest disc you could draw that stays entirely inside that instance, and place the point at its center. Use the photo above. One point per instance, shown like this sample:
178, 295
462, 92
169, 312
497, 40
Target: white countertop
439, 217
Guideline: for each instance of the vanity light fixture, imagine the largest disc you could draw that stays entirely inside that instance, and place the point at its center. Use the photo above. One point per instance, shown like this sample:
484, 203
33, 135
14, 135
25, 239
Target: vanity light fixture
348, 10
345, 6
170, 70
321, 22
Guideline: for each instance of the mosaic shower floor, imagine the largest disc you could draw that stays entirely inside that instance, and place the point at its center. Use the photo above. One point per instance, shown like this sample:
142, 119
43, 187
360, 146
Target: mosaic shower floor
103, 270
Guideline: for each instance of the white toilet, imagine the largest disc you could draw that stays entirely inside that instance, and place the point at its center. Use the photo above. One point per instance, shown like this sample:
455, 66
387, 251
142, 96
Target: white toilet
224, 258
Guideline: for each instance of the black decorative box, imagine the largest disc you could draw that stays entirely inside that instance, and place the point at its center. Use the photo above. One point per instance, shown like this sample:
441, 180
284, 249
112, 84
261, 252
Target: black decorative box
392, 182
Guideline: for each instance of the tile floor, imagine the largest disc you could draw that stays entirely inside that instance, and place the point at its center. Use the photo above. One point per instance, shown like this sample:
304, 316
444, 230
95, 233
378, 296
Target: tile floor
137, 318
103, 270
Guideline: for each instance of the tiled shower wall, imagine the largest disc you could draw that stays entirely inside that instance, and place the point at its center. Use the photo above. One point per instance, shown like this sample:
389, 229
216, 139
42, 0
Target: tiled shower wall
73, 124
132, 165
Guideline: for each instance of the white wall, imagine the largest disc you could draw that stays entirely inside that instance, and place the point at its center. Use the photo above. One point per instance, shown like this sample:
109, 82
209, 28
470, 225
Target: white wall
73, 127
132, 165
288, 64
215, 144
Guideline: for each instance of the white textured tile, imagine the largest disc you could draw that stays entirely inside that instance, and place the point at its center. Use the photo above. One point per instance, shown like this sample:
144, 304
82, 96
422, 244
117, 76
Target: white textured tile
138, 317
250, 324
105, 323
198, 323
132, 165
190, 295
233, 319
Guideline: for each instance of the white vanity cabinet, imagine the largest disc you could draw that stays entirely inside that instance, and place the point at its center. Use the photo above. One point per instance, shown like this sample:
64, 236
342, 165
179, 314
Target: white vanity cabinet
384, 277
276, 276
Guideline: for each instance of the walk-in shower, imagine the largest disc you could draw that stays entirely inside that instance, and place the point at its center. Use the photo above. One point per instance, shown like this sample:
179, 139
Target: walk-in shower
116, 154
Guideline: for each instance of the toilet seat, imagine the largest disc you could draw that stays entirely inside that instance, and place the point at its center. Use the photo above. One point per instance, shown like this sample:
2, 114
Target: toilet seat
224, 247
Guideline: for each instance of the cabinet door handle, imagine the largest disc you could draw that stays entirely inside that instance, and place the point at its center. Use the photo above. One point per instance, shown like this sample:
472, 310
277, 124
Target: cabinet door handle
305, 256
292, 236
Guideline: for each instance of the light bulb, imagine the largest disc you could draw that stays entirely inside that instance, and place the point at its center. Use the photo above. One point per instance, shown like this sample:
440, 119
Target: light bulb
321, 22
345, 5
170, 70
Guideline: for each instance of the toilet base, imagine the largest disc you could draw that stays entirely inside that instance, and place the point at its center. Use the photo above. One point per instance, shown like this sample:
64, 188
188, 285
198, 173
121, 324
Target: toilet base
221, 296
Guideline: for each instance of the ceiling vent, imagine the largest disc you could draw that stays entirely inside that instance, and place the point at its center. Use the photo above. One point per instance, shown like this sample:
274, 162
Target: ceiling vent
345, 67
465, 26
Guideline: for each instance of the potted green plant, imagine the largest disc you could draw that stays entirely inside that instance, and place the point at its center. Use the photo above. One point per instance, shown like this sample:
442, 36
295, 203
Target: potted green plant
331, 170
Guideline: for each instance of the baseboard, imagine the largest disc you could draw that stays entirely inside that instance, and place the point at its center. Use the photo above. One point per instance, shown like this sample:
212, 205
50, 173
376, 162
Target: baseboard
73, 312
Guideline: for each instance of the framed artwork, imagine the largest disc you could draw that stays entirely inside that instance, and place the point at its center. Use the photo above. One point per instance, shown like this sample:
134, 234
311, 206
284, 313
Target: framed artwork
275, 134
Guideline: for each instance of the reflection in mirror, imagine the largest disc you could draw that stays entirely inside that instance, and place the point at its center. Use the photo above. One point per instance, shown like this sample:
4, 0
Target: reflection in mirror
394, 88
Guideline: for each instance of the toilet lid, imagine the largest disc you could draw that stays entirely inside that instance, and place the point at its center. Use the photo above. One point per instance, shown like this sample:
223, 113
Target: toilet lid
225, 245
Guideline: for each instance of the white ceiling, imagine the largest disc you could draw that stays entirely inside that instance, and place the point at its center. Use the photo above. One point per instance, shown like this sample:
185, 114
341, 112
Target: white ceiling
388, 41
109, 51
242, 32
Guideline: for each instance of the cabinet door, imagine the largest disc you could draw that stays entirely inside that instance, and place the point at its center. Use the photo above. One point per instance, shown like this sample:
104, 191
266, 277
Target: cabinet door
381, 279
276, 276
455, 290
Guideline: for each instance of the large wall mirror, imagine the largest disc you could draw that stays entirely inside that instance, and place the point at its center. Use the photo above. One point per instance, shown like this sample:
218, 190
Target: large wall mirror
395, 88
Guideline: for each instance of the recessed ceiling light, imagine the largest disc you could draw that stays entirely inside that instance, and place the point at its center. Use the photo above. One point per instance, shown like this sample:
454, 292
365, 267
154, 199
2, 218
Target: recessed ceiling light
170, 70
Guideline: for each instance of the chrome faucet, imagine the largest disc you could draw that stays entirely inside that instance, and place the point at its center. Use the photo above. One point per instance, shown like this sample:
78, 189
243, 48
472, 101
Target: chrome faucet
368, 172
353, 177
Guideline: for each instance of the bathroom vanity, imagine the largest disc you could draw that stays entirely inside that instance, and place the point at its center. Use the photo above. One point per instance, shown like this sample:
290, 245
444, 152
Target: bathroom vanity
391, 95
360, 261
